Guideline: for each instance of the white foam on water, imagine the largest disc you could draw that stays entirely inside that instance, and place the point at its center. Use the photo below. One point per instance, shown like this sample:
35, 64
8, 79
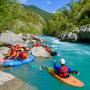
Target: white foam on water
83, 52
56, 41
53, 45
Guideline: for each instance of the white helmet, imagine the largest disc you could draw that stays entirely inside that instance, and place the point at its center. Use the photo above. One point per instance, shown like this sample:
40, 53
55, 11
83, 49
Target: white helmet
62, 61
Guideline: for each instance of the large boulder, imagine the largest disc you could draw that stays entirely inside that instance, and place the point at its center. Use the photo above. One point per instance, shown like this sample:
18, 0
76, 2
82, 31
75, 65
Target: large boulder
40, 52
70, 37
80, 35
30, 38
11, 38
84, 32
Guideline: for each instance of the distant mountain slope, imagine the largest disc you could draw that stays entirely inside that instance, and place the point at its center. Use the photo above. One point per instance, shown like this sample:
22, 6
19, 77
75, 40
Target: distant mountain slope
15, 17
43, 13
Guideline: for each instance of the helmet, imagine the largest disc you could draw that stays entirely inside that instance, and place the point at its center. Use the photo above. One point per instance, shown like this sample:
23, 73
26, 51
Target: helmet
22, 49
62, 61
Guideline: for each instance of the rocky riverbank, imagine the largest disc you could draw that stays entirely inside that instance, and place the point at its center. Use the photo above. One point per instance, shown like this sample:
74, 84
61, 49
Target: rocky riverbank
10, 82
10, 37
26, 40
80, 35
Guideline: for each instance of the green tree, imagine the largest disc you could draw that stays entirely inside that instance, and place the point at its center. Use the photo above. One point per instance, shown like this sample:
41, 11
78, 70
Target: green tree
68, 18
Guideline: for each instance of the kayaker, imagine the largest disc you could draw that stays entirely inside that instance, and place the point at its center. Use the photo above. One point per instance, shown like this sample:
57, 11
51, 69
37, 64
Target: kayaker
22, 54
17, 47
27, 50
11, 55
48, 49
63, 70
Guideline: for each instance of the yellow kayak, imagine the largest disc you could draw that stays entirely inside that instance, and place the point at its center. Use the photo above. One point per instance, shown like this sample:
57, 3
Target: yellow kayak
70, 80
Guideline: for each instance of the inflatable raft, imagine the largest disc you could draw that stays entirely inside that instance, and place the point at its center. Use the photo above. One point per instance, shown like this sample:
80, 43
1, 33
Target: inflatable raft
12, 63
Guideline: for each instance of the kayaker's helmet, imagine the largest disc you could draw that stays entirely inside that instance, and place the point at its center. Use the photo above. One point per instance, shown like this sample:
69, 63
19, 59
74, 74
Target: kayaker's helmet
62, 61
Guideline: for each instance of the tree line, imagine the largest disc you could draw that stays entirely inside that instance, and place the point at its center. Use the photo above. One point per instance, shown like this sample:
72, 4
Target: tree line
19, 18
15, 17
69, 18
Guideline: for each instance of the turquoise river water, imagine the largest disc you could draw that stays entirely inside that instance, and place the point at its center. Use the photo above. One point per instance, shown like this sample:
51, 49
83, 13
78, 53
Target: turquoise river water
77, 56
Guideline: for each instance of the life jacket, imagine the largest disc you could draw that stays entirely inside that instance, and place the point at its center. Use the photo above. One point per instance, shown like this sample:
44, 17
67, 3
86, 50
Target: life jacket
23, 55
63, 71
16, 48
13, 53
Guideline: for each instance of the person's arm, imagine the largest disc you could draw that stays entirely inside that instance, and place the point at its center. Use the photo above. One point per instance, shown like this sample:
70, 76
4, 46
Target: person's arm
72, 71
55, 66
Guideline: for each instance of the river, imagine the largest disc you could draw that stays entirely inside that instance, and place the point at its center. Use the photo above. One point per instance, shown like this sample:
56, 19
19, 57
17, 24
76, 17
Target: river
77, 56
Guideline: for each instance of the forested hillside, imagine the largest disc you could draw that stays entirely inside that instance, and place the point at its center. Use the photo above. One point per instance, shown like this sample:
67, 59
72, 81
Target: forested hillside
30, 19
44, 14
69, 18
15, 17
